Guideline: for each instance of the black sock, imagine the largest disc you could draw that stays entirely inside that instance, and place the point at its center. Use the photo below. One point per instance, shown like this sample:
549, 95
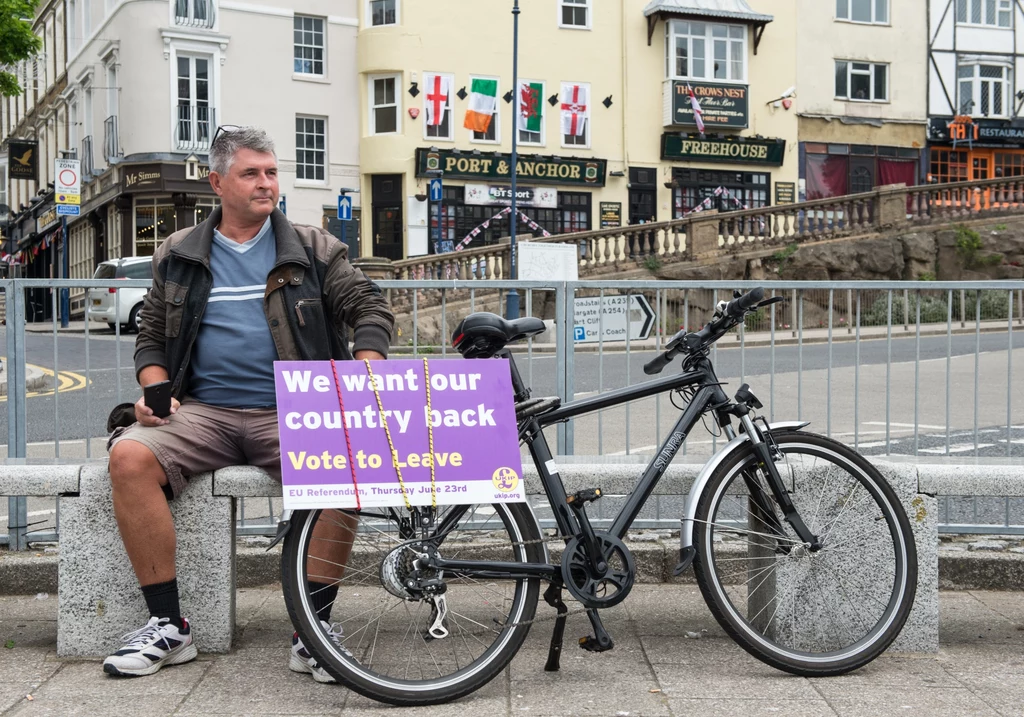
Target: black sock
162, 601
323, 596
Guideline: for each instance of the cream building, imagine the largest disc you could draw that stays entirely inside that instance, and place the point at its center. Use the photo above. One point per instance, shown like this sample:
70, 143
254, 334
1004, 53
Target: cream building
148, 82
860, 94
635, 155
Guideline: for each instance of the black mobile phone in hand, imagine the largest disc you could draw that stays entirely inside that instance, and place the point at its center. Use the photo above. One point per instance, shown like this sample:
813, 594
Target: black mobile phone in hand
158, 398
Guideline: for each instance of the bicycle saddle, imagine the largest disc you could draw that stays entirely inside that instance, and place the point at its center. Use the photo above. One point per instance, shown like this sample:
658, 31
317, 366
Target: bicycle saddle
481, 335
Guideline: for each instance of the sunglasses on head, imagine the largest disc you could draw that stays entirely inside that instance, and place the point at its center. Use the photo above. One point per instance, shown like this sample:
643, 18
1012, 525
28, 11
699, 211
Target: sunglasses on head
224, 129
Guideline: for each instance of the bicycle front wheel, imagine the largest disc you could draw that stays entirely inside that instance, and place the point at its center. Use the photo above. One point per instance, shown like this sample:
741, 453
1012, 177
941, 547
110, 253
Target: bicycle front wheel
809, 613
388, 642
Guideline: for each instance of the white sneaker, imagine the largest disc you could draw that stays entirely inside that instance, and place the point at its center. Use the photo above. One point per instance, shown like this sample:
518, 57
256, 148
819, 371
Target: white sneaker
149, 648
302, 661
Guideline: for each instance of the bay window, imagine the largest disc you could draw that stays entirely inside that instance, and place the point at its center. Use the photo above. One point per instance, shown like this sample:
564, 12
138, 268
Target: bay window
706, 51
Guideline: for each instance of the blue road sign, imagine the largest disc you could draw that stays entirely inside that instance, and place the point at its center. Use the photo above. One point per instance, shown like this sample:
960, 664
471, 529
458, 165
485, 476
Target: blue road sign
344, 208
282, 204
579, 333
435, 190
68, 210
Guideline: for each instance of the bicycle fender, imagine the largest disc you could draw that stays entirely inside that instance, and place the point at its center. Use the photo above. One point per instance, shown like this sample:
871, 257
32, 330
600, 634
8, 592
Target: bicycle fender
686, 532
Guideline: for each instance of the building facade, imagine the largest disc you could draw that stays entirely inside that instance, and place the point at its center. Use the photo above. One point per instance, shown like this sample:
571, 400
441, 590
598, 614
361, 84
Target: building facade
145, 88
608, 135
861, 89
975, 89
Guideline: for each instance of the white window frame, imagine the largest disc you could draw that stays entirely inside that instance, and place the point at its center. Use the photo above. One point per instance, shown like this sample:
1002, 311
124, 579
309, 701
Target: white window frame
73, 25
211, 8
300, 74
213, 120
370, 103
449, 110
977, 81
326, 163
369, 15
496, 119
588, 8
74, 133
844, 12
1002, 9
871, 76
543, 116
590, 113
709, 40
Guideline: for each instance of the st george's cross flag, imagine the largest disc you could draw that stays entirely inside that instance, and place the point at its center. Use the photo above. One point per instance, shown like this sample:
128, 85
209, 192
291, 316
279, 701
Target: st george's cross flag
698, 114
574, 110
437, 97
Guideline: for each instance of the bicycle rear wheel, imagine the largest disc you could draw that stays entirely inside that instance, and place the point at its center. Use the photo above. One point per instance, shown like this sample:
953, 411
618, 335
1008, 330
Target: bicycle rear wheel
808, 613
386, 651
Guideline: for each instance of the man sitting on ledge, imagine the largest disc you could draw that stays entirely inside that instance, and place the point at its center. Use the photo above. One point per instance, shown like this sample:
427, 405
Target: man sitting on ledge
229, 297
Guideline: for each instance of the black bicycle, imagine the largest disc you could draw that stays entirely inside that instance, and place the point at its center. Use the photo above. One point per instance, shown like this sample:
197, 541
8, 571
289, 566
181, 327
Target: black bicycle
801, 549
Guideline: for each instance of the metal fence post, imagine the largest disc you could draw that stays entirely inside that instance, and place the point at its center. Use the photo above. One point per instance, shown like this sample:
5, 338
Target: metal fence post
17, 419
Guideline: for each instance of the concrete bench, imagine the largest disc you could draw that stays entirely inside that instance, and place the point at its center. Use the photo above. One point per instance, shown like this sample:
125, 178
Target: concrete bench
99, 599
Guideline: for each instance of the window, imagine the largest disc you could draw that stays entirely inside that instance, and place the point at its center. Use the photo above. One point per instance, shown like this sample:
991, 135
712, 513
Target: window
309, 45
194, 13
73, 35
531, 105
383, 12
574, 13
437, 103
862, 81
995, 13
154, 223
706, 51
194, 114
310, 149
384, 107
3, 183
492, 134
984, 90
575, 115
949, 165
73, 128
86, 18
874, 11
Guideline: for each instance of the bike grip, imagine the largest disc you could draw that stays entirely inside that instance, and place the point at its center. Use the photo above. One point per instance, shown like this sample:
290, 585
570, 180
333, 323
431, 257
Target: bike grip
738, 307
656, 364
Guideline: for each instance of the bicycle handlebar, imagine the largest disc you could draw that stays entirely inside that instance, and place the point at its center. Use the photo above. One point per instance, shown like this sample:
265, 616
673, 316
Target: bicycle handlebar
730, 316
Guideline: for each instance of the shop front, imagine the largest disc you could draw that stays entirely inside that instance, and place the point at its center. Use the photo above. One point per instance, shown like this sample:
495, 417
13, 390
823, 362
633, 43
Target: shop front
554, 195
964, 149
38, 253
726, 189
832, 169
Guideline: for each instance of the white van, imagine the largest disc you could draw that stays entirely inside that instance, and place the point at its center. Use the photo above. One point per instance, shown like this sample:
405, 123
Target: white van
126, 311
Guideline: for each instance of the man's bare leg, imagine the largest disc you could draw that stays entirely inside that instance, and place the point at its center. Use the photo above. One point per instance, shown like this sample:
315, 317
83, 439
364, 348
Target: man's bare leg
142, 513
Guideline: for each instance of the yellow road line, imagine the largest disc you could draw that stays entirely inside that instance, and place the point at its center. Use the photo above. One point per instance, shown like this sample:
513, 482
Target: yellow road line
67, 382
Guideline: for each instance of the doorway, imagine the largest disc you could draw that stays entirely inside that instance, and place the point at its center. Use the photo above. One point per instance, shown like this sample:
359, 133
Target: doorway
387, 216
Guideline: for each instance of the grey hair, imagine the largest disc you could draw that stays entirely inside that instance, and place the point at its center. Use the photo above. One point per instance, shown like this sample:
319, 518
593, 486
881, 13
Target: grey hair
227, 143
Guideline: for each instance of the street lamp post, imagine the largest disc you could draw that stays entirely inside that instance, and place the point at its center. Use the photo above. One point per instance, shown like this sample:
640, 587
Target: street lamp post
512, 300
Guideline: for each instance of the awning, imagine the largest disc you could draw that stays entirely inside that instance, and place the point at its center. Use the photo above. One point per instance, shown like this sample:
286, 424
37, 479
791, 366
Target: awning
720, 9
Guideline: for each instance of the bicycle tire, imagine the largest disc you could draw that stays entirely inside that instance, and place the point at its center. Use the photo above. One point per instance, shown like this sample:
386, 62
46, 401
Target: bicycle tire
808, 613
389, 656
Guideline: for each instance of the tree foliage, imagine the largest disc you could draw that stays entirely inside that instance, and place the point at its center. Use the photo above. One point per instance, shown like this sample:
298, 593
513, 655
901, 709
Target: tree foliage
17, 41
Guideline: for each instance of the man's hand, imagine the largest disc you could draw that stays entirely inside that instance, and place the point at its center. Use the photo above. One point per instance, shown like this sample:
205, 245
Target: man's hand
368, 354
144, 414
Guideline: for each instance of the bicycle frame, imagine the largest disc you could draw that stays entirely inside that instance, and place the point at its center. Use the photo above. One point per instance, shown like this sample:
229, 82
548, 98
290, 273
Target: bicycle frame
709, 397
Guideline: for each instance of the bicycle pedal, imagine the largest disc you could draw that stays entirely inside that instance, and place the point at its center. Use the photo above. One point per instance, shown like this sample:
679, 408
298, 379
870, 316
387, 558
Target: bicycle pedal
584, 496
593, 644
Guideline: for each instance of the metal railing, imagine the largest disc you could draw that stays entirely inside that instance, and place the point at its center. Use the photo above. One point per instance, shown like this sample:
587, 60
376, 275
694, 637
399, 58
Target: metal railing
920, 369
111, 141
195, 13
193, 130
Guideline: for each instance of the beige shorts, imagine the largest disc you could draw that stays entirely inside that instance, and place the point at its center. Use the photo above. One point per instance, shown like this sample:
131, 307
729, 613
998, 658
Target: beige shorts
202, 438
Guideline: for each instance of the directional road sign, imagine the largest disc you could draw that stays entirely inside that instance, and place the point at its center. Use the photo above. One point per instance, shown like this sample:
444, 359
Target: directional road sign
344, 208
435, 190
67, 176
612, 319
68, 210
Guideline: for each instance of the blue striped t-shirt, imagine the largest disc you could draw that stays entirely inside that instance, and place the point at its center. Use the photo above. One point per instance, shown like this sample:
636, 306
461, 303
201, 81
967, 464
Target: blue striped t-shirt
234, 353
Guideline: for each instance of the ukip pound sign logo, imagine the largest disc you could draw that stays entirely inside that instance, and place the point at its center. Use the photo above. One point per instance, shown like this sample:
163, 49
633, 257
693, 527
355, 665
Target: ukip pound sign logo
505, 479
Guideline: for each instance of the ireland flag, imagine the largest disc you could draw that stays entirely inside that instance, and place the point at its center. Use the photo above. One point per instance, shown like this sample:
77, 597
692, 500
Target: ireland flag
483, 101
531, 108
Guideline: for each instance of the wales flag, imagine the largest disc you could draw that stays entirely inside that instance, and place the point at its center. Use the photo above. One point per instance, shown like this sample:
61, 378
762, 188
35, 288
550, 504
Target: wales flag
531, 108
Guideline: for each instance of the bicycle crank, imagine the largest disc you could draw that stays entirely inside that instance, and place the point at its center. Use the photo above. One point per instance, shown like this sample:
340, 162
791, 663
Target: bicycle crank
598, 590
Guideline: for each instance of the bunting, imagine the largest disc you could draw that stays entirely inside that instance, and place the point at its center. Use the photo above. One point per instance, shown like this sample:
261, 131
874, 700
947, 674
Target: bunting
484, 225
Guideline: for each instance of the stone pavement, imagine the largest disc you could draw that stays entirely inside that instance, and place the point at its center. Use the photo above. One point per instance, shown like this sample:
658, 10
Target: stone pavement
657, 668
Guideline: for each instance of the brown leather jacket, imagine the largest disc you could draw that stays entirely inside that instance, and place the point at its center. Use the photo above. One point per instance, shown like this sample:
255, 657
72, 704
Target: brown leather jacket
312, 295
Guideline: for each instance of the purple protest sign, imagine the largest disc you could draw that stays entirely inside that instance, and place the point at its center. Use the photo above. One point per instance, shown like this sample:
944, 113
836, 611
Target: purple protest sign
476, 442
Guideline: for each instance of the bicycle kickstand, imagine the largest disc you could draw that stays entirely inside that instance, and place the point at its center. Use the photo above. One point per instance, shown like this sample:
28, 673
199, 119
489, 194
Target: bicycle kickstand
553, 597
